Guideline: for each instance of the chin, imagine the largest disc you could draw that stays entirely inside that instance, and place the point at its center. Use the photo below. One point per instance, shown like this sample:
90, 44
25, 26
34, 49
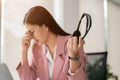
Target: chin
40, 43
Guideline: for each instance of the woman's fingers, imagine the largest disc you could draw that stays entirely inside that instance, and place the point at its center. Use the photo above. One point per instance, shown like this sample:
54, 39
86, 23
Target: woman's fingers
81, 43
29, 32
71, 43
73, 46
26, 40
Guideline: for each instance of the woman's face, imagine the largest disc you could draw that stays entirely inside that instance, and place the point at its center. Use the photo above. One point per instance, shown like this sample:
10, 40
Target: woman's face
40, 33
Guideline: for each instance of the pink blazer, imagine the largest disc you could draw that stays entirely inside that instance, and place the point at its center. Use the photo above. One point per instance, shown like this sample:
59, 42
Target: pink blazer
38, 66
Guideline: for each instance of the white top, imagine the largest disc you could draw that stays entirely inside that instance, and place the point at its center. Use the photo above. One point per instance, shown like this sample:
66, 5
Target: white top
51, 62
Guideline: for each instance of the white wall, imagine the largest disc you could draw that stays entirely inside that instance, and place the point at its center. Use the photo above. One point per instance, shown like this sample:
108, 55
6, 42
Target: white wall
0, 30
95, 40
114, 37
58, 12
71, 15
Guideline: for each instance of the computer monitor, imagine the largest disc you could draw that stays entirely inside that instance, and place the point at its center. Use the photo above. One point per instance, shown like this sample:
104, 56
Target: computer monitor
4, 72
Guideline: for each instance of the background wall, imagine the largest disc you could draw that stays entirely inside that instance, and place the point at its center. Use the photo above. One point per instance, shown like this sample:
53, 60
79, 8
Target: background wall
113, 36
67, 13
0, 29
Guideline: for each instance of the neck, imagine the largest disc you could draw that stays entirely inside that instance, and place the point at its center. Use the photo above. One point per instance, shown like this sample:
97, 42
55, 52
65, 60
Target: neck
51, 43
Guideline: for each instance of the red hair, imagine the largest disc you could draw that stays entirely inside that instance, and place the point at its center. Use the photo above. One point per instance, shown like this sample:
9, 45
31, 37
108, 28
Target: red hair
38, 15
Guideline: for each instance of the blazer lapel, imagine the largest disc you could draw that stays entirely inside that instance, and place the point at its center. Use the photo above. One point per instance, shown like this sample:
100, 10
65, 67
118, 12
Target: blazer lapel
58, 64
60, 57
43, 66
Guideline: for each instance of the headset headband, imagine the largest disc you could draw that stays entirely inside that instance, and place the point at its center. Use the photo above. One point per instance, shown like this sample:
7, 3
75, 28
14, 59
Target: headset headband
88, 26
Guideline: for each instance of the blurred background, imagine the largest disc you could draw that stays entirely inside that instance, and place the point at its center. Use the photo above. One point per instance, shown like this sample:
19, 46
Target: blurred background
103, 36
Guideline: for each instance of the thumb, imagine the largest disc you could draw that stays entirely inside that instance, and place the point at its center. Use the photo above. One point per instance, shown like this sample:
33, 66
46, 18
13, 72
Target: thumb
81, 43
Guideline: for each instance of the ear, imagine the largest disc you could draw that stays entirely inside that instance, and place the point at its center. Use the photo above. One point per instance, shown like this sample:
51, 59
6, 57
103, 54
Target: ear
45, 27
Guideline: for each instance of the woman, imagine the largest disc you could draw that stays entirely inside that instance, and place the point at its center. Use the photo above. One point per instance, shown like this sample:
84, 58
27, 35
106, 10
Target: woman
49, 61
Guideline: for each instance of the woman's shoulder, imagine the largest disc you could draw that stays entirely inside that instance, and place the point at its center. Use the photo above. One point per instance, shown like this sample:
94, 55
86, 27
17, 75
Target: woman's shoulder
35, 45
36, 48
64, 36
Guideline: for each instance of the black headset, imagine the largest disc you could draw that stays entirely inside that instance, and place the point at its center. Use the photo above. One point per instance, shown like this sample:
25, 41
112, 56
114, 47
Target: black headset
88, 26
77, 33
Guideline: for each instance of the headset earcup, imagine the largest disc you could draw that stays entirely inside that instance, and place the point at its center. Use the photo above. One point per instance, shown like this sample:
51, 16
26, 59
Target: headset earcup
77, 34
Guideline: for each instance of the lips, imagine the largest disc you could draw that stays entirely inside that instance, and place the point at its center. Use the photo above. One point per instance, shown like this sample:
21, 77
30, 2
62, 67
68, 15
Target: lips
37, 40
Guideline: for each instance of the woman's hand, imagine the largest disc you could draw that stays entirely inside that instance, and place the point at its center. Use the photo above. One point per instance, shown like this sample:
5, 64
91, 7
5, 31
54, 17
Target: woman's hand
74, 47
73, 50
26, 41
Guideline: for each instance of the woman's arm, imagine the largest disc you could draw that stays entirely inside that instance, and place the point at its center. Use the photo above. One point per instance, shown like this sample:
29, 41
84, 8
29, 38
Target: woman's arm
25, 71
77, 59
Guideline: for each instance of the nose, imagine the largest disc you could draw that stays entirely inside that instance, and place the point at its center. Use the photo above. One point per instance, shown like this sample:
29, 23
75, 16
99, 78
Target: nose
34, 37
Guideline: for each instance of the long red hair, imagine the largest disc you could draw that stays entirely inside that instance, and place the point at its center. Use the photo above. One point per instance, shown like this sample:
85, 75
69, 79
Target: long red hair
38, 15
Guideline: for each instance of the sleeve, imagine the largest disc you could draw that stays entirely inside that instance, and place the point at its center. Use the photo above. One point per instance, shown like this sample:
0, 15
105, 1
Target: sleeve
69, 72
80, 74
26, 72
